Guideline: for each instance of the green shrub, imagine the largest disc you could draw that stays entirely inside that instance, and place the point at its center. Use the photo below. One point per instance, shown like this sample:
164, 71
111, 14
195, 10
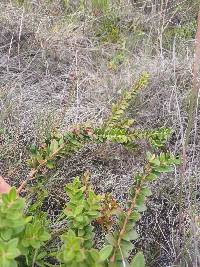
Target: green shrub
27, 240
107, 29
21, 237
182, 33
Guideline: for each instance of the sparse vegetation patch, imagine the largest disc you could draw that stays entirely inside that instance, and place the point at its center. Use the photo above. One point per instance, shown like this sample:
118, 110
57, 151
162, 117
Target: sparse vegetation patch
99, 133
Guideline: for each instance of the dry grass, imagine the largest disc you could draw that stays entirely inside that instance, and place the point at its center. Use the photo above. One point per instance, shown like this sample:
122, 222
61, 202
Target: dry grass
55, 71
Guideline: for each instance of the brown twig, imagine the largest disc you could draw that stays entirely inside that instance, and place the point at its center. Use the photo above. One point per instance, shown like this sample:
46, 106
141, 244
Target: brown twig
128, 214
29, 177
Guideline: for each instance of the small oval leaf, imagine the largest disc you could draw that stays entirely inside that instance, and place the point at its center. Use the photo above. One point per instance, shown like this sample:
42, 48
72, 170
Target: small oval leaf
138, 260
105, 252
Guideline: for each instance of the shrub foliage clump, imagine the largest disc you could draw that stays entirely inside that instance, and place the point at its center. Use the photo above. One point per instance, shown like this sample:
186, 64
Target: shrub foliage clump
26, 236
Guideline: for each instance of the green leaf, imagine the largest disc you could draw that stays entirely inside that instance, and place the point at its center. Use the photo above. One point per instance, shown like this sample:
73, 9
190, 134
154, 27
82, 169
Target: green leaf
12, 194
4, 198
42, 255
111, 240
45, 236
135, 216
141, 208
151, 177
94, 253
155, 162
138, 260
146, 191
81, 232
164, 169
105, 252
140, 199
28, 219
130, 225
126, 247
9, 249
61, 142
80, 218
50, 164
6, 234
53, 146
177, 161
93, 213
78, 210
131, 235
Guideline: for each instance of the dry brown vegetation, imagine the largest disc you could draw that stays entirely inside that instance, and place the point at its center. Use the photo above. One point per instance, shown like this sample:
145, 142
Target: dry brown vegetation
63, 65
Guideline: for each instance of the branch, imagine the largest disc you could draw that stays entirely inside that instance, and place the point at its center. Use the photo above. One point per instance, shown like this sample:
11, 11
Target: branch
33, 172
132, 207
